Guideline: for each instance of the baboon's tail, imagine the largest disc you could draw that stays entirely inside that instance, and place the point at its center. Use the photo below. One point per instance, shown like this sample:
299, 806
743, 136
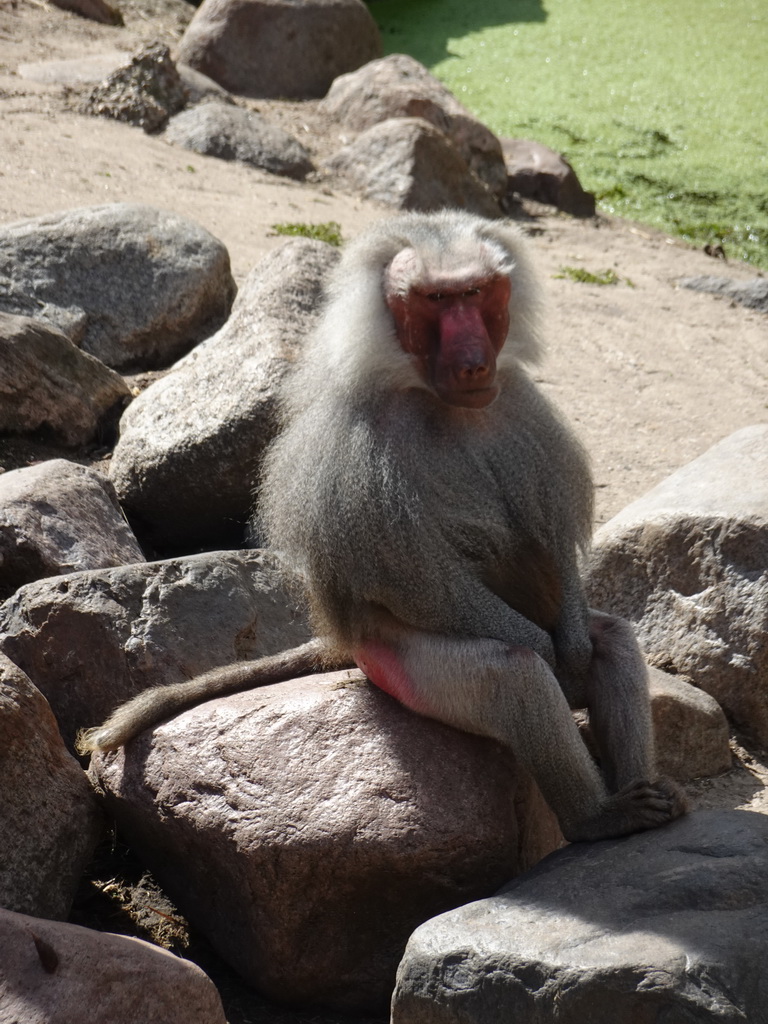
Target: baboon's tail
161, 702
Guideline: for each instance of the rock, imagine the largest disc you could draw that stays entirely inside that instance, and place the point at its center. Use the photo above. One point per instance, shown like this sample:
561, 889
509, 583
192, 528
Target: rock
135, 285
537, 172
46, 381
307, 827
232, 133
668, 925
691, 734
50, 821
752, 294
690, 729
194, 439
407, 163
399, 86
58, 517
279, 48
92, 640
96, 10
145, 92
200, 87
688, 564
52, 973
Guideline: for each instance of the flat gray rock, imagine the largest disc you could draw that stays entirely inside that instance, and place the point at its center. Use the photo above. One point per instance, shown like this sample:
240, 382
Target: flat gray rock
133, 285
232, 133
752, 294
669, 925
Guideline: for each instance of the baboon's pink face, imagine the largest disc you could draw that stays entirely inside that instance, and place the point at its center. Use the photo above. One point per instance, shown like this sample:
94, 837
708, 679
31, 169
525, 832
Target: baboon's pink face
454, 328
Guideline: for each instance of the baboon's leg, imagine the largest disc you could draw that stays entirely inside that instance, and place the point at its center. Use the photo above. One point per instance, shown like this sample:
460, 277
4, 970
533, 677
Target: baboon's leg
511, 695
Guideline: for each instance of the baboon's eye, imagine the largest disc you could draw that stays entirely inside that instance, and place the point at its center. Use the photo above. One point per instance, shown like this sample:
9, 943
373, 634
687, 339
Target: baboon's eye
470, 291
435, 296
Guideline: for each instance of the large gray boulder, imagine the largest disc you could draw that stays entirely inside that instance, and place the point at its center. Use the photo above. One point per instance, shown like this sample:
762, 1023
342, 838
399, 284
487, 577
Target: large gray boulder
669, 925
409, 164
282, 48
56, 518
399, 86
307, 827
231, 133
132, 285
688, 564
92, 640
190, 446
46, 381
53, 973
50, 822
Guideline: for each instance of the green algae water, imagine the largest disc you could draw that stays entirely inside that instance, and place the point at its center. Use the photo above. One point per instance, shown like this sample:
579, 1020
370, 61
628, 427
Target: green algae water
661, 106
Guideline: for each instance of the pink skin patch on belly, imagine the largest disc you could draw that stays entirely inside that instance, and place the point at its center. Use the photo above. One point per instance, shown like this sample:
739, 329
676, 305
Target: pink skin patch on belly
385, 669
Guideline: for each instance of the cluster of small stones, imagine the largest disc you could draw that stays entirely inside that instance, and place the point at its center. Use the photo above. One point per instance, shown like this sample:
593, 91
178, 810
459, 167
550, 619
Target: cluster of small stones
330, 845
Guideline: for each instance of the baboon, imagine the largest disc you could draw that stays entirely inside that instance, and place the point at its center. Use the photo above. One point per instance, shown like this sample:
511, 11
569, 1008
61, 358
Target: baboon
434, 505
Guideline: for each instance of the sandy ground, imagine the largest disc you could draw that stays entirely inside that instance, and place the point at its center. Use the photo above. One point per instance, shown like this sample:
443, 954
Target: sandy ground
650, 374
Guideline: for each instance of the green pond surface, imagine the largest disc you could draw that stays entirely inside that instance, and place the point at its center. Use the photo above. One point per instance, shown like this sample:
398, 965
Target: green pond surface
661, 107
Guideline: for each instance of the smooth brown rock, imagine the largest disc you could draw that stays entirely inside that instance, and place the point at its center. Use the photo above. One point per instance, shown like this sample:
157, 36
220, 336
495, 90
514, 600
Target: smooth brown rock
59, 517
537, 172
50, 822
399, 86
307, 827
52, 973
280, 48
46, 381
407, 163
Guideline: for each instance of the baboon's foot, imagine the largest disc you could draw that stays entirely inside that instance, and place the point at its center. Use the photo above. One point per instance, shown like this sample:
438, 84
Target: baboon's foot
639, 806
